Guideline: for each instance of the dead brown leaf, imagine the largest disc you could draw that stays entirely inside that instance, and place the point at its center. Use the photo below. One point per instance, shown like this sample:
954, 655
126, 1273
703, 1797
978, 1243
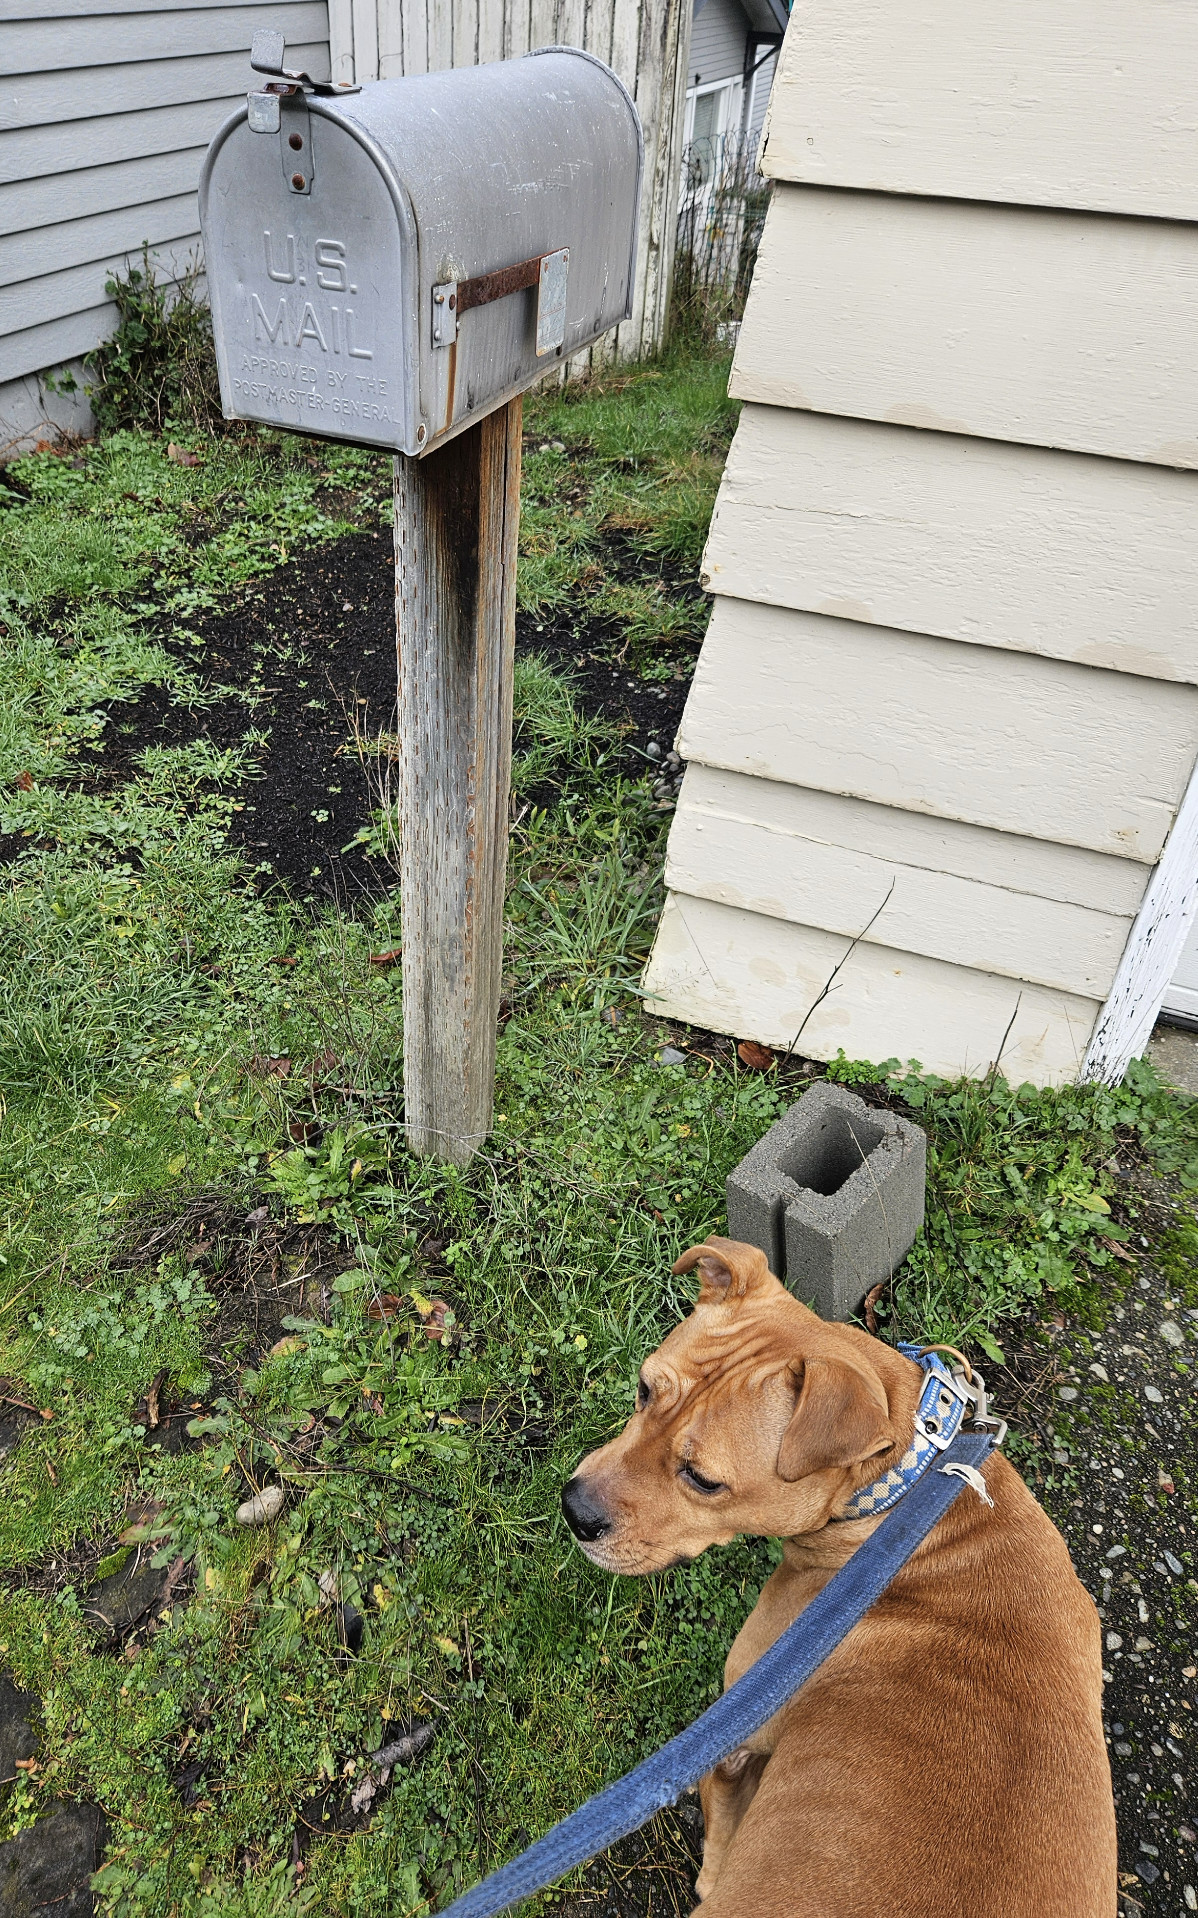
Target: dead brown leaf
180, 455
386, 1306
25, 782
152, 1401
264, 1068
391, 957
282, 959
433, 1321
759, 1058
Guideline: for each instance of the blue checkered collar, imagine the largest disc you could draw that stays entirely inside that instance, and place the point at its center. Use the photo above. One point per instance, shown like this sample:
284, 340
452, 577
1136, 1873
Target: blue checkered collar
943, 1403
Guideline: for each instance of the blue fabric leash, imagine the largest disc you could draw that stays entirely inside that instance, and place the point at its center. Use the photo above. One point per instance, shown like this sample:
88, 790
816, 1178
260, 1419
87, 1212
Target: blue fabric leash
769, 1684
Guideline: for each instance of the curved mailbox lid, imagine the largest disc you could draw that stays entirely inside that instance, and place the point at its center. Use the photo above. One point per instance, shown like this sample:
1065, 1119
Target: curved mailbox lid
323, 300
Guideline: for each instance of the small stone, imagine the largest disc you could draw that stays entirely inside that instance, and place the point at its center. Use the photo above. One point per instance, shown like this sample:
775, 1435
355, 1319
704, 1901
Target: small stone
1153, 1396
1100, 1372
557, 446
1174, 1564
653, 750
1191, 1897
263, 1507
1153, 1851
1067, 1393
670, 1056
1172, 1333
1146, 1870
1113, 1641
1116, 1551
258, 1217
1123, 1751
1145, 1645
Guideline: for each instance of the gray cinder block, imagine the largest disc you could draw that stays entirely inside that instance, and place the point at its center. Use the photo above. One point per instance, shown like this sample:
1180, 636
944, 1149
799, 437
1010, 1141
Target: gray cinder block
833, 1194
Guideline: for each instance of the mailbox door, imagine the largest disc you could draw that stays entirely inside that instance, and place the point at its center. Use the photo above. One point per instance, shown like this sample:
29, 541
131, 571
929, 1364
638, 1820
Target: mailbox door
307, 288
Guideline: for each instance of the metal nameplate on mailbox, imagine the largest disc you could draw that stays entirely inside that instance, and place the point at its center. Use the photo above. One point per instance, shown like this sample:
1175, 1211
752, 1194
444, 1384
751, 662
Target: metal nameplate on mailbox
388, 263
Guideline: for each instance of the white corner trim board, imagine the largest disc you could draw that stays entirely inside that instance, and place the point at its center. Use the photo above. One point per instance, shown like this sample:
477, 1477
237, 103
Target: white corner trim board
1153, 950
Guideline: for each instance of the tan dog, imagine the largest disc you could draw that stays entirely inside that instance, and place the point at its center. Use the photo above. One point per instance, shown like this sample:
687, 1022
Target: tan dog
948, 1760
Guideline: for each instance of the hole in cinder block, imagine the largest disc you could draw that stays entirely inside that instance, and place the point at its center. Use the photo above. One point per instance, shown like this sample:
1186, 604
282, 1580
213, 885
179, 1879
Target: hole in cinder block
831, 1153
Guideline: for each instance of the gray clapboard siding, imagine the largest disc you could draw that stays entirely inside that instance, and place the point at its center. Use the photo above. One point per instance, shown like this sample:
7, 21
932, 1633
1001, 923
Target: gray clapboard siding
36, 154
44, 46
1068, 875
171, 229
55, 342
92, 9
1055, 329
1029, 101
733, 971
1012, 741
25, 258
721, 848
717, 43
44, 99
29, 205
1092, 560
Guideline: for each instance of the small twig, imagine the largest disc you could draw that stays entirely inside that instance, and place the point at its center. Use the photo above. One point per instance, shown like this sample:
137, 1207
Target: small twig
841, 963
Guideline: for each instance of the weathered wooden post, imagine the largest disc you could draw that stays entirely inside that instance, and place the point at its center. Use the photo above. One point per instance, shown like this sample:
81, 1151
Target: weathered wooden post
457, 515
394, 264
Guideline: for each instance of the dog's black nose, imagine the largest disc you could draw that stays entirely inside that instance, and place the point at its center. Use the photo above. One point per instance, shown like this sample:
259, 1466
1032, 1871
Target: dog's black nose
581, 1513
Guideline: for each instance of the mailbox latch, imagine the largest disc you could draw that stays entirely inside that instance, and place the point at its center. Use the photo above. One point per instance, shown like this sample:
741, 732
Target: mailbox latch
546, 271
282, 107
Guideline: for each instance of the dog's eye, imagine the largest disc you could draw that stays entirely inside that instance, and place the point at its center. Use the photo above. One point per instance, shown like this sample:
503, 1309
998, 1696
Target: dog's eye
643, 1394
700, 1483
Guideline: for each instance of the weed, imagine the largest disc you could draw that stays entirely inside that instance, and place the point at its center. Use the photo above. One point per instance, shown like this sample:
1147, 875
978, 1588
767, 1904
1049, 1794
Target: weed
159, 364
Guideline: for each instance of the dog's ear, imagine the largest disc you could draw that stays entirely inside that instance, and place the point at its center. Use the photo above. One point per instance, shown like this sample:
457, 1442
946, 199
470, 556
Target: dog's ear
728, 1269
841, 1418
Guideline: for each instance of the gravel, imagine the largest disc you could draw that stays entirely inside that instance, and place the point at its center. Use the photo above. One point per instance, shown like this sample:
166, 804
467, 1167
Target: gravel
1109, 1442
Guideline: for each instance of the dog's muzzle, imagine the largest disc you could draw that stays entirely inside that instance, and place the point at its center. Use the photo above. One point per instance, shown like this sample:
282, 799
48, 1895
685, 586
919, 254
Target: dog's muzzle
585, 1518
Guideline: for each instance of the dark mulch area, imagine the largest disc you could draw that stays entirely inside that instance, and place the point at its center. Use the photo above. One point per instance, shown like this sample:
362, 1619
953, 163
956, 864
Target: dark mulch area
307, 657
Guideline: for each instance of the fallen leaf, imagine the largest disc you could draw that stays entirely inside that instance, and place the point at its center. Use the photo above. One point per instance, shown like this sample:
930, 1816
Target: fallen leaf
871, 1299
264, 1068
611, 1016
25, 782
303, 1131
759, 1058
258, 1217
180, 456
26, 1764
282, 959
434, 1321
1119, 1249
152, 1401
391, 957
386, 1306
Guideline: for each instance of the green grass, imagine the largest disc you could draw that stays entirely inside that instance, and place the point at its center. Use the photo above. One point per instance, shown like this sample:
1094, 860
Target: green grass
143, 1020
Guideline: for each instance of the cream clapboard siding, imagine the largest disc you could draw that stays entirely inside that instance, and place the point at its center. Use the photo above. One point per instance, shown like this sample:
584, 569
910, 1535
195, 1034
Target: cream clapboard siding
932, 313
1035, 102
647, 42
947, 706
106, 108
1089, 560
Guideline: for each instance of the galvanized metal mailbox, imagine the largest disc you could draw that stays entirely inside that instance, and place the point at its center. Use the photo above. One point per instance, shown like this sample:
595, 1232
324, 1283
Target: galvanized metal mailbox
388, 263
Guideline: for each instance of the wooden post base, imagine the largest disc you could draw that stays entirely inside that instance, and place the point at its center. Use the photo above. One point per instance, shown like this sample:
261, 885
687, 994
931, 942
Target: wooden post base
456, 522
